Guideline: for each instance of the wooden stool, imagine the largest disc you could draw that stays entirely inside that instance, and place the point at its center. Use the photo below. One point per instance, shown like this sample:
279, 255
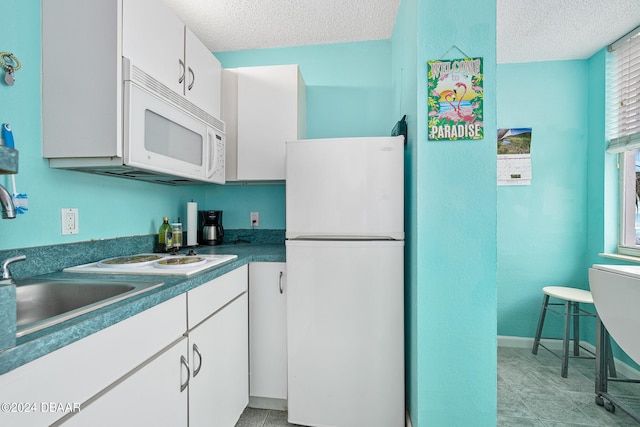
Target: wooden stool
572, 298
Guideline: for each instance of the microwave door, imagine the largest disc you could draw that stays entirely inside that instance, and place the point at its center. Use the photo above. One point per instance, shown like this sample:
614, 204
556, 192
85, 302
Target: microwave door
163, 138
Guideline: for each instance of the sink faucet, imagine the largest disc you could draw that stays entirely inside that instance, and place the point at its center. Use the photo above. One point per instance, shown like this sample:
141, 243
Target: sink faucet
8, 209
7, 279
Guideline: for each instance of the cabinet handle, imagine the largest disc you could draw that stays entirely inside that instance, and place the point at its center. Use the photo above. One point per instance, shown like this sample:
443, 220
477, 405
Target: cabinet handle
184, 363
196, 350
193, 78
280, 282
181, 78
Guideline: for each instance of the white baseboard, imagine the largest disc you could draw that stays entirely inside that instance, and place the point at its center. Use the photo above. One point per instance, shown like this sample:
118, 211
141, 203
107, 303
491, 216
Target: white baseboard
267, 403
520, 342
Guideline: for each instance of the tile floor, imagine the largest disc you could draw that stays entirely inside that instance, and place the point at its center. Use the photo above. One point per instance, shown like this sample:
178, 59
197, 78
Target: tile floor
263, 418
531, 393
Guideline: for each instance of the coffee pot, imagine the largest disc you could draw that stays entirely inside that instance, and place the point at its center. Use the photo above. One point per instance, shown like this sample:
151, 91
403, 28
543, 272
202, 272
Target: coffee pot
210, 227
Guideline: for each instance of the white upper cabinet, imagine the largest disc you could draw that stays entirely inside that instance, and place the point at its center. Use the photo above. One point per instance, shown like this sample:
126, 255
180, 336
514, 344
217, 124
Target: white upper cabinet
155, 40
262, 108
203, 77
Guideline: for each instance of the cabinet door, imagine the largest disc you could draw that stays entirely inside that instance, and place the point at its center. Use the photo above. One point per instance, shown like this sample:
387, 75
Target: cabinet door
267, 332
150, 396
219, 387
153, 39
203, 79
84, 91
271, 102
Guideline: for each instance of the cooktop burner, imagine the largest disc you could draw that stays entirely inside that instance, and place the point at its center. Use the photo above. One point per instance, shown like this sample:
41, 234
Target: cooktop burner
153, 264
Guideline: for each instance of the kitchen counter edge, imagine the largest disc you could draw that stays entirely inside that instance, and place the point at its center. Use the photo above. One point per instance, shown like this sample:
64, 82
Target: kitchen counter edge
40, 343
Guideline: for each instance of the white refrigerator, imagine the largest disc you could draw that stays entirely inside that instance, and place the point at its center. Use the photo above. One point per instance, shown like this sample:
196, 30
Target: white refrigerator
345, 282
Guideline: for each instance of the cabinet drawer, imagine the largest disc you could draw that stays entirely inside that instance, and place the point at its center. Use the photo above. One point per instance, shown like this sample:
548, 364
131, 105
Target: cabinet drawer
212, 296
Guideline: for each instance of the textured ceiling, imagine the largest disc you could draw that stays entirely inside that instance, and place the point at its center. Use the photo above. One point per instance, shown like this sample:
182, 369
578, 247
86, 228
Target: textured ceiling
548, 30
527, 30
253, 24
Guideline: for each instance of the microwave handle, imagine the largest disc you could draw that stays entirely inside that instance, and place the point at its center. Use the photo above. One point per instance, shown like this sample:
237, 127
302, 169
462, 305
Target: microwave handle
212, 153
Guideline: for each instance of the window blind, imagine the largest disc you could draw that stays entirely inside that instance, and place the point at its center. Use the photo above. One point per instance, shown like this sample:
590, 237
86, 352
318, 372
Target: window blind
623, 94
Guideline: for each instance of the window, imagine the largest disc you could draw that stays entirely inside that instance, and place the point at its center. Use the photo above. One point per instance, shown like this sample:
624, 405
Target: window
629, 202
623, 129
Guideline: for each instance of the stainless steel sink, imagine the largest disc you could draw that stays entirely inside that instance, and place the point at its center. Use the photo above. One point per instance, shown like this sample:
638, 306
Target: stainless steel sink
43, 303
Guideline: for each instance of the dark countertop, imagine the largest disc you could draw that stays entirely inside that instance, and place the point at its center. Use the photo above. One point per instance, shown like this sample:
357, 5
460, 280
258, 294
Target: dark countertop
40, 343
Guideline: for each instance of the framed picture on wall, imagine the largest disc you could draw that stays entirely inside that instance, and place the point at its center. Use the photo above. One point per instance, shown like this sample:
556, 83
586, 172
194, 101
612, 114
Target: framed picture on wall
455, 99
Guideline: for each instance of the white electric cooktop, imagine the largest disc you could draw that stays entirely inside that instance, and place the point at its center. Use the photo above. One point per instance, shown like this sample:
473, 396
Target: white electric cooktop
153, 264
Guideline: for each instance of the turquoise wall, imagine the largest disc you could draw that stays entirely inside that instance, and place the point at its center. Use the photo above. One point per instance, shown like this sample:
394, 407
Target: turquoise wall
542, 227
456, 233
551, 232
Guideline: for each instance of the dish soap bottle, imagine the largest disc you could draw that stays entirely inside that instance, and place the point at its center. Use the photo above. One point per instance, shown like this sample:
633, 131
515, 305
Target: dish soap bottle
165, 236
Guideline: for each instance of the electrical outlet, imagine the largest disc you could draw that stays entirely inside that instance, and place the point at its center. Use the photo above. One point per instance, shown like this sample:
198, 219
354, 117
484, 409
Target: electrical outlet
255, 219
69, 220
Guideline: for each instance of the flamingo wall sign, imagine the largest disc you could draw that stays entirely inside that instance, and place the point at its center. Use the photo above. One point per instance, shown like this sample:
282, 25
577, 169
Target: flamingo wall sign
455, 98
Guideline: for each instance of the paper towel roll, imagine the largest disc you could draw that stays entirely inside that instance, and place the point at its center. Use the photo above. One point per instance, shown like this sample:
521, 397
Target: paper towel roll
192, 224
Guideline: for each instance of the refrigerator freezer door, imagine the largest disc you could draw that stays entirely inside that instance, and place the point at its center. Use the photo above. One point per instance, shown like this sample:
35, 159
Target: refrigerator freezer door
345, 324
349, 188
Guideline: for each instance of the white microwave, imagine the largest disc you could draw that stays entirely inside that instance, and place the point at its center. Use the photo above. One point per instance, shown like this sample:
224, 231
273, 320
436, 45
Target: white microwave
165, 133
157, 135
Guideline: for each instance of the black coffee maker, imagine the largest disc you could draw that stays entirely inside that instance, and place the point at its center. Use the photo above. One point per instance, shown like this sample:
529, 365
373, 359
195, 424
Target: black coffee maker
210, 227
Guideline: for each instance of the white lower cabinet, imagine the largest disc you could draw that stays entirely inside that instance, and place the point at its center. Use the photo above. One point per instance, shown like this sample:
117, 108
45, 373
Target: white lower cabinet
219, 385
199, 381
184, 362
149, 396
75, 373
268, 335
219, 350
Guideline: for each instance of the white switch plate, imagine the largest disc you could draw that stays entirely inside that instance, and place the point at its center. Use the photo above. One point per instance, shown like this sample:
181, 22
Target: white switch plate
69, 221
